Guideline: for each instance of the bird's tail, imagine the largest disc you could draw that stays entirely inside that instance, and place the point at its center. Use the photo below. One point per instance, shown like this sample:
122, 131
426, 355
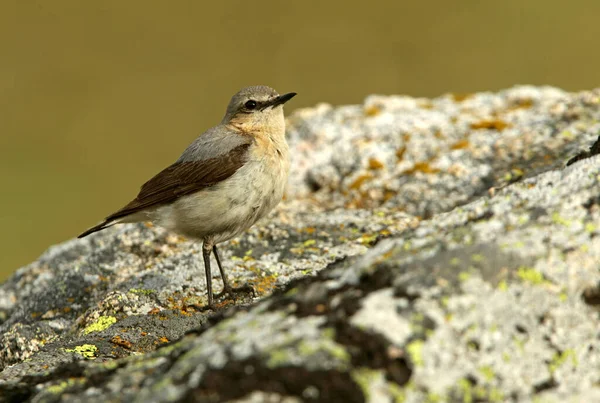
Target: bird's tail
99, 227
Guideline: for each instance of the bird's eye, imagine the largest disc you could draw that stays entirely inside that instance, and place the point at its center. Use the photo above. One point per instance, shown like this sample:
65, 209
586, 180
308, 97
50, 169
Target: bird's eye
250, 104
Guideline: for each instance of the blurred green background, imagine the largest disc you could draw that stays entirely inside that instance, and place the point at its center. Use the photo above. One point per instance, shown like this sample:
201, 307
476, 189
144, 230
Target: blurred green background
95, 97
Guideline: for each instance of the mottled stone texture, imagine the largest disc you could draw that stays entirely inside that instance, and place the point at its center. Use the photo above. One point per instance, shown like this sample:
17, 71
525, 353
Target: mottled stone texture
427, 250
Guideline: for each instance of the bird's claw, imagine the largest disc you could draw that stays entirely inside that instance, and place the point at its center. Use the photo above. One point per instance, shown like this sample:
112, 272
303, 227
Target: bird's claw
244, 289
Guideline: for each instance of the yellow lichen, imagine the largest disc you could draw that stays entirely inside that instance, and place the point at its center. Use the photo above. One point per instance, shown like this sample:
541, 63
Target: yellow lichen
530, 275
559, 359
368, 239
103, 323
309, 242
415, 351
87, 351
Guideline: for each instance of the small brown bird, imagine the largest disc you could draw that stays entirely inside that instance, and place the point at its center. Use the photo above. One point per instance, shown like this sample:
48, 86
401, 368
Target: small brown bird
231, 176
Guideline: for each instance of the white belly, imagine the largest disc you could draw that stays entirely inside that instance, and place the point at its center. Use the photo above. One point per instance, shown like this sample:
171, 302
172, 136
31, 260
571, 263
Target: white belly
225, 210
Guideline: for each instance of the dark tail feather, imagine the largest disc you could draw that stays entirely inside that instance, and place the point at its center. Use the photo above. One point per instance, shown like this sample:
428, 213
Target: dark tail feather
97, 228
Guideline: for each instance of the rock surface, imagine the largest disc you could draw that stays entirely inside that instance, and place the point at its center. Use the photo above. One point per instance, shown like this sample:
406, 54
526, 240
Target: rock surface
427, 250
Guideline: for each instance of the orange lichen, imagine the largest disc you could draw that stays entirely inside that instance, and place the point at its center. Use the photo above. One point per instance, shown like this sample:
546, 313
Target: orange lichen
263, 284
460, 97
375, 164
360, 180
163, 339
459, 145
389, 194
495, 124
372, 110
400, 153
119, 341
423, 167
524, 103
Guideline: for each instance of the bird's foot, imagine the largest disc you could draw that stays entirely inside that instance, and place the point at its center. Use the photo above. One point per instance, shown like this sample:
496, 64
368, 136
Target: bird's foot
231, 291
210, 306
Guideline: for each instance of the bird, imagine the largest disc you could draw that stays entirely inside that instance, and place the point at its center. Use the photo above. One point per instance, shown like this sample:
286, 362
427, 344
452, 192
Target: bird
227, 179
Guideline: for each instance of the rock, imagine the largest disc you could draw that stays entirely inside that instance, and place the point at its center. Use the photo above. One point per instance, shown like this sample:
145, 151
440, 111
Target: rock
427, 250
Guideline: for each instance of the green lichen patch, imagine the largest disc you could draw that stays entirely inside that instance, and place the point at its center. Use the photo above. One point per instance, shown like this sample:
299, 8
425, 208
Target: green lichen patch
142, 291
560, 359
364, 378
531, 276
59, 388
415, 351
374, 384
487, 373
470, 393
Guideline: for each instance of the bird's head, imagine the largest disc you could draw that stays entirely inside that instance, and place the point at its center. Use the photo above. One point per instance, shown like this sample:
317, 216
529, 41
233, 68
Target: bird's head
257, 109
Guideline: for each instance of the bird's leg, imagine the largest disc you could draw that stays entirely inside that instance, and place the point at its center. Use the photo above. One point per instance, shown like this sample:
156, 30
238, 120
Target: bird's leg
226, 286
206, 255
227, 289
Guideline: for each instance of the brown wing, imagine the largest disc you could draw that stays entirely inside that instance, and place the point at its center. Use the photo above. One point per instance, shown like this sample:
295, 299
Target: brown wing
183, 178
180, 179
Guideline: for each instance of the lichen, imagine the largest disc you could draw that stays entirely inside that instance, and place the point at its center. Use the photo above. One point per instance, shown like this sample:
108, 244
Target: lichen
496, 124
87, 351
329, 347
476, 393
530, 275
278, 358
309, 242
102, 323
556, 218
364, 377
142, 291
560, 358
415, 351
62, 386
487, 373
367, 239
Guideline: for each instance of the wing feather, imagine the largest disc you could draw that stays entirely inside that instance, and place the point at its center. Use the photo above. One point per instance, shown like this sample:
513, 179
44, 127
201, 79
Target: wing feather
183, 178
180, 179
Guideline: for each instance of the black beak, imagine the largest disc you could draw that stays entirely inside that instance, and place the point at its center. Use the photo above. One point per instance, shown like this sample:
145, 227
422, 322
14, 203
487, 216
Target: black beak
282, 99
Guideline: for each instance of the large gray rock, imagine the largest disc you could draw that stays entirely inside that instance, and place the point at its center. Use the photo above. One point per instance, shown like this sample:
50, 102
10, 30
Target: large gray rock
428, 250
